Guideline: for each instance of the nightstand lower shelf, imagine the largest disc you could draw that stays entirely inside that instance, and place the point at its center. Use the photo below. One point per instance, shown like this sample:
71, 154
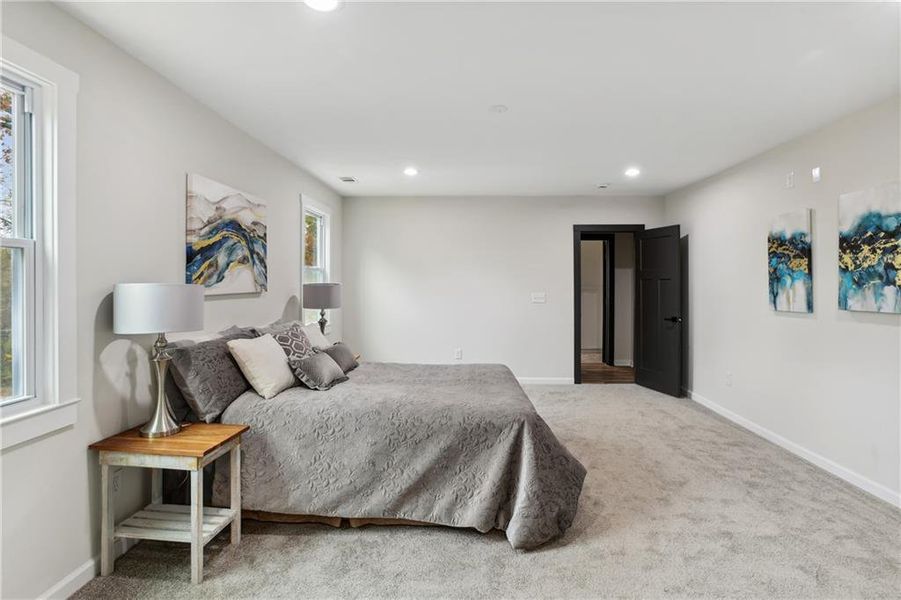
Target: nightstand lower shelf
172, 523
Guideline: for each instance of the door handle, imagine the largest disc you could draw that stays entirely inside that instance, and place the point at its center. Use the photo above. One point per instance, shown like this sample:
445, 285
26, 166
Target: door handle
673, 319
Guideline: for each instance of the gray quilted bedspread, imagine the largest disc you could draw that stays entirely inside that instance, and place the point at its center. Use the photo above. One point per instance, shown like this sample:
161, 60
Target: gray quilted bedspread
456, 445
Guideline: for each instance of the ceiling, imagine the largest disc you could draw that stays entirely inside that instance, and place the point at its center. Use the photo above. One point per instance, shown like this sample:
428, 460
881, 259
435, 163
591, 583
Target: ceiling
680, 90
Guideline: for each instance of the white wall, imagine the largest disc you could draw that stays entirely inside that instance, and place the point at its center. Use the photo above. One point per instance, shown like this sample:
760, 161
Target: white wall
137, 137
624, 299
424, 276
826, 384
591, 265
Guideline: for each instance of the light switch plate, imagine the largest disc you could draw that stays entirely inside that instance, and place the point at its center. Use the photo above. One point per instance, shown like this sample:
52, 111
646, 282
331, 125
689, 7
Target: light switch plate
539, 297
790, 179
815, 174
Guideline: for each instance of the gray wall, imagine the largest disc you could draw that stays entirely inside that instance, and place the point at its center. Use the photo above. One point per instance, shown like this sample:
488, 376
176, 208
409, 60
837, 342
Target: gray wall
592, 271
624, 299
826, 384
424, 276
137, 137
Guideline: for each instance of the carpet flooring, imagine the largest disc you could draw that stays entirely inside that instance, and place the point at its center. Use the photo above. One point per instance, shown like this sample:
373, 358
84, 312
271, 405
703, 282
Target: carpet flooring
678, 503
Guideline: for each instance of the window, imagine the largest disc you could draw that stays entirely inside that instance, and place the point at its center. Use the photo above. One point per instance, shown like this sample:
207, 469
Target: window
315, 253
38, 383
20, 260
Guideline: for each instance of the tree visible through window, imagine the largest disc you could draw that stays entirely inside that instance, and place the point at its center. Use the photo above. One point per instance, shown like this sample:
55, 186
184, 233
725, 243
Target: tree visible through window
315, 254
7, 182
17, 253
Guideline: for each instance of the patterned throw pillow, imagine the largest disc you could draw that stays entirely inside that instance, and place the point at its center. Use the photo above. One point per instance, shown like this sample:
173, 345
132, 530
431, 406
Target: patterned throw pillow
294, 342
207, 375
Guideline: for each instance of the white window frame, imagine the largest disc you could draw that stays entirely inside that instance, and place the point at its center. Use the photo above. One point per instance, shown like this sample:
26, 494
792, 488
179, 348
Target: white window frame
325, 241
324, 245
28, 186
51, 398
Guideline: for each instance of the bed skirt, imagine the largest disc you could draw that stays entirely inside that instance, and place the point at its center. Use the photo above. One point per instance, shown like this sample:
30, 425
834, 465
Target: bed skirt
270, 517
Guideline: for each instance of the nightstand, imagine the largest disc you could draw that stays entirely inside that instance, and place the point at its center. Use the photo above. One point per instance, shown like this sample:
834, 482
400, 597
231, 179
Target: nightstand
191, 449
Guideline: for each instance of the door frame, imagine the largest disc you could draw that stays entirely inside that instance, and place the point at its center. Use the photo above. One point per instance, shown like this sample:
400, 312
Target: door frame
587, 233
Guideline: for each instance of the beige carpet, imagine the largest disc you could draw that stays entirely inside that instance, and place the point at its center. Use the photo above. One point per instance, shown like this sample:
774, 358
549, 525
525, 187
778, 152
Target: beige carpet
677, 503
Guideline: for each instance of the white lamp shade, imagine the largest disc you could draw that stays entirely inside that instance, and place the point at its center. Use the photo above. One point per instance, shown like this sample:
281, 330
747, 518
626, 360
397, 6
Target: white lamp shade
322, 295
157, 307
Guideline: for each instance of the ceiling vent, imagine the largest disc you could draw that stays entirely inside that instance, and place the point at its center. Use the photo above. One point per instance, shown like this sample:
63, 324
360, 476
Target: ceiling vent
347, 179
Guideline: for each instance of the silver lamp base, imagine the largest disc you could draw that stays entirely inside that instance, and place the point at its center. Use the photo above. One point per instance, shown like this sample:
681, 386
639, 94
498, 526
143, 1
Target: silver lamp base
322, 321
162, 423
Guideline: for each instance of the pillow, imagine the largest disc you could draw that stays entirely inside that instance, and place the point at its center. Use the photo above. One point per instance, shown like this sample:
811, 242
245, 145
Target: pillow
263, 362
318, 372
319, 341
294, 342
207, 376
342, 355
276, 327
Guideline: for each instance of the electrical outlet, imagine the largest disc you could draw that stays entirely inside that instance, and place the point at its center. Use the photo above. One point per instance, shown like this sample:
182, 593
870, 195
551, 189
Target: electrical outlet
117, 479
728, 378
458, 354
539, 297
790, 179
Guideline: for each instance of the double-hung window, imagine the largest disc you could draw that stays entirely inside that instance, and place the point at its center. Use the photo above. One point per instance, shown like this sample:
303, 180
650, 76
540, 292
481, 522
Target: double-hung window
38, 383
21, 252
315, 252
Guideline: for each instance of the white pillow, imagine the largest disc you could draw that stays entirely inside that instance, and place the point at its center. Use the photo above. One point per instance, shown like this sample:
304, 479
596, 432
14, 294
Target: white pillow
319, 341
263, 363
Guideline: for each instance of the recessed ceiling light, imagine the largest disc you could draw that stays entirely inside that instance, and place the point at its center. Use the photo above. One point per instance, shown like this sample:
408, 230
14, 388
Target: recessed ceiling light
323, 5
633, 172
603, 186
499, 108
411, 171
348, 179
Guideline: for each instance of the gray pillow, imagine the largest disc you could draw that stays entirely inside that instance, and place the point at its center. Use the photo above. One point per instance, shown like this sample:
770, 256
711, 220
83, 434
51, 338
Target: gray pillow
207, 375
180, 409
294, 342
276, 327
343, 355
318, 372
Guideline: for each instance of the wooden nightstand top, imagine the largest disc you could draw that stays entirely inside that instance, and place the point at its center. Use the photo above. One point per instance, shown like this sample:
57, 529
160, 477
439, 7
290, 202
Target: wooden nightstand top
195, 440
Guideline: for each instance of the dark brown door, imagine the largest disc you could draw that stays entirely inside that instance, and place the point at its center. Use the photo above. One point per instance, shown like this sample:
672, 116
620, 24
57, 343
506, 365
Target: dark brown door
658, 311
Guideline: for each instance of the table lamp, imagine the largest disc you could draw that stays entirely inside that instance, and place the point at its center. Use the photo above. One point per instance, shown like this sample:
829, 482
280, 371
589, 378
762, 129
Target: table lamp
160, 308
322, 296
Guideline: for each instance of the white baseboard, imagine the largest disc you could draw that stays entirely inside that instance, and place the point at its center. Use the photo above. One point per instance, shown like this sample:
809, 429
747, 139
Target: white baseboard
545, 380
623, 362
75, 580
857, 480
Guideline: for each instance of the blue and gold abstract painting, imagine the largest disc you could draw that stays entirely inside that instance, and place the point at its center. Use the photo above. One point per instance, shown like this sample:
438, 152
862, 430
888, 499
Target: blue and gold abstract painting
790, 263
225, 239
869, 250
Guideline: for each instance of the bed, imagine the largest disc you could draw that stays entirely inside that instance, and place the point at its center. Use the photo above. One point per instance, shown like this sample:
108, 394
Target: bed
454, 445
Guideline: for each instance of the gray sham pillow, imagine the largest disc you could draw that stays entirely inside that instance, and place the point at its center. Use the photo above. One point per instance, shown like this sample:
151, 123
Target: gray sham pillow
180, 409
276, 327
207, 376
317, 372
343, 355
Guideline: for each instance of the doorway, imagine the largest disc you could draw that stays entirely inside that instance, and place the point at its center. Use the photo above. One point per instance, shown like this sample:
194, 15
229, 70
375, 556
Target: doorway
656, 289
604, 298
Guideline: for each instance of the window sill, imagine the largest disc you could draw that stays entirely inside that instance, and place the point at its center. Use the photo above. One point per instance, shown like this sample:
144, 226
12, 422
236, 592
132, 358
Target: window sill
20, 428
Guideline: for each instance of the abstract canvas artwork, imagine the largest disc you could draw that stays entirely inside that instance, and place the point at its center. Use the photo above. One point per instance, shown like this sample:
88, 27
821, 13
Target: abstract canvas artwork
869, 250
790, 264
225, 238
